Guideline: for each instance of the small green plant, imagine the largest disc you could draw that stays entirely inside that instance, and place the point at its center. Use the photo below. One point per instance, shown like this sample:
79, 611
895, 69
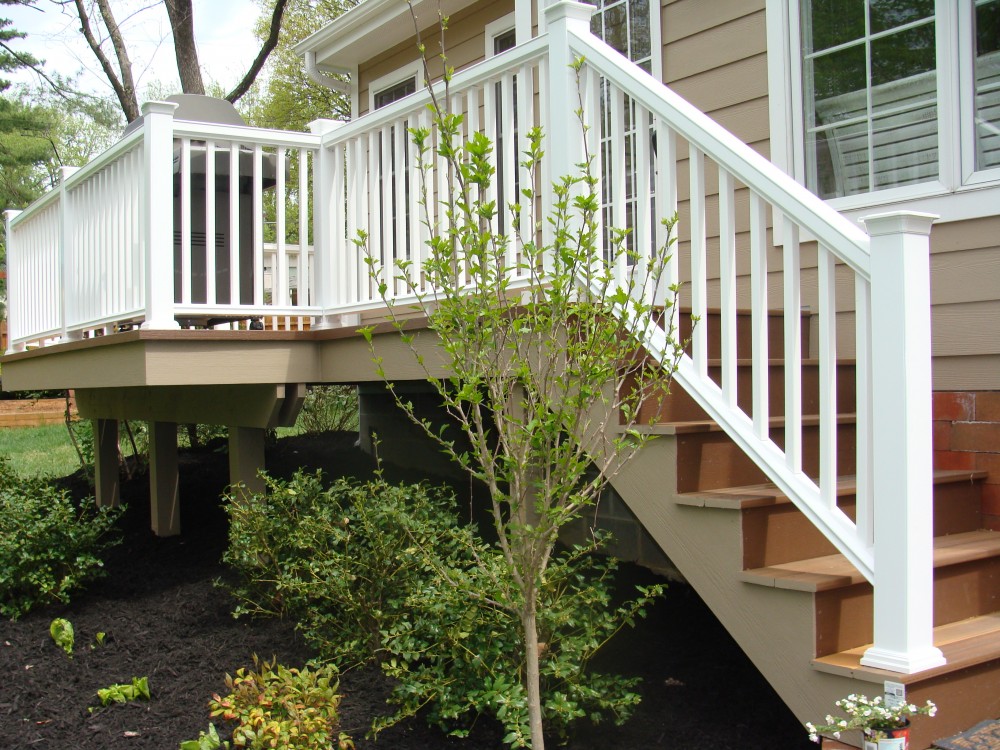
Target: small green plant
122, 693
275, 706
870, 715
206, 741
49, 545
62, 633
99, 638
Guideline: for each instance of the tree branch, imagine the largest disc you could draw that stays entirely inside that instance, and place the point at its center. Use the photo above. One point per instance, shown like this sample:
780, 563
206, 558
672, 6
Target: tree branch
185, 50
269, 44
124, 87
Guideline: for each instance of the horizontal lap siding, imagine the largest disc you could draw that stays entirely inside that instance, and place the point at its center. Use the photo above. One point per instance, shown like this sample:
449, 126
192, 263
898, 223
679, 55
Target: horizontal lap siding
464, 45
965, 292
714, 55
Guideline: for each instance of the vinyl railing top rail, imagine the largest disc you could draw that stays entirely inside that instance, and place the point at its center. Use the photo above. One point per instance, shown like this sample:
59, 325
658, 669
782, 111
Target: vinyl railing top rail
810, 212
474, 75
244, 134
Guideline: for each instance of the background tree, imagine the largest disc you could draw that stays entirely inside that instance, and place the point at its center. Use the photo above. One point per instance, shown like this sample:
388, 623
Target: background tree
290, 99
99, 26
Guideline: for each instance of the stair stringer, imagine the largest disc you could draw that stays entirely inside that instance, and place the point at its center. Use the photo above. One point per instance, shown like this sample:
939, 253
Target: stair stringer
774, 627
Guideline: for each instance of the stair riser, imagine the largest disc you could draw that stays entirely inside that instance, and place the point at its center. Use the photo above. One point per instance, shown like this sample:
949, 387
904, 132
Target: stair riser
710, 460
744, 341
844, 616
776, 534
678, 406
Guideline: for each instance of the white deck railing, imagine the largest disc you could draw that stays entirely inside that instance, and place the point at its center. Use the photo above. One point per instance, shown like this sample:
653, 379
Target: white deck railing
100, 251
165, 235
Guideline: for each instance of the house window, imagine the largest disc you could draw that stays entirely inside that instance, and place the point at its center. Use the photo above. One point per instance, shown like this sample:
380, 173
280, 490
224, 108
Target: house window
987, 72
627, 26
501, 36
395, 92
504, 41
869, 94
888, 102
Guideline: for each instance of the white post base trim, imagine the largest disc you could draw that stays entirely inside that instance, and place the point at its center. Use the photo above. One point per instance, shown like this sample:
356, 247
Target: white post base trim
903, 662
329, 322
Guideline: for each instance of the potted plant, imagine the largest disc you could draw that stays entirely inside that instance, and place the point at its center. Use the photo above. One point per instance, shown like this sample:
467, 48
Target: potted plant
885, 727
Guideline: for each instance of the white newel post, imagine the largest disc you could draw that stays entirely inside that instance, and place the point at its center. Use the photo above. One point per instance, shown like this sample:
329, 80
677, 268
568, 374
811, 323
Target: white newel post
158, 214
563, 137
901, 435
324, 245
12, 273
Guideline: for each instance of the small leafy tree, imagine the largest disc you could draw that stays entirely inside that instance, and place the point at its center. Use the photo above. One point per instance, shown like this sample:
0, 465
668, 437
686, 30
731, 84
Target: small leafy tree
544, 376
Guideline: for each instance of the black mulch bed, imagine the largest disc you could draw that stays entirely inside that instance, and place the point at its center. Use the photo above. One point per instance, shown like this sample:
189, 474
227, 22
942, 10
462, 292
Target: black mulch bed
166, 620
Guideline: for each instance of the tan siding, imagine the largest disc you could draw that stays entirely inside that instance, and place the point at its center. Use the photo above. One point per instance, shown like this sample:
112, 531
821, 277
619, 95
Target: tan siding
965, 290
464, 42
725, 86
966, 276
749, 119
683, 18
732, 42
966, 329
974, 373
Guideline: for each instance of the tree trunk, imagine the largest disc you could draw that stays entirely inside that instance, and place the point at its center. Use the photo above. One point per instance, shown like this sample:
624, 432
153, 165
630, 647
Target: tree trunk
181, 18
532, 677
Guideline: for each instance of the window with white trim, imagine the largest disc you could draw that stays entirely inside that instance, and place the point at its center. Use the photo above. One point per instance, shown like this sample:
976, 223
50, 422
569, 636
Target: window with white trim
632, 28
887, 101
627, 25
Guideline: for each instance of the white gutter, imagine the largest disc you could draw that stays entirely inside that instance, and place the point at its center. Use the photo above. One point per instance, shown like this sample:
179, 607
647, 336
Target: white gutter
322, 78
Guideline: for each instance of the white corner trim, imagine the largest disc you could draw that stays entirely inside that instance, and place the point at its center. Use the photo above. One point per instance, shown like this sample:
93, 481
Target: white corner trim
779, 85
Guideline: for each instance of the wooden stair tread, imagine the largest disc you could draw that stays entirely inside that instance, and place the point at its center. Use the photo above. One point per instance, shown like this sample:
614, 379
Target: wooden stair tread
759, 495
708, 425
834, 571
965, 643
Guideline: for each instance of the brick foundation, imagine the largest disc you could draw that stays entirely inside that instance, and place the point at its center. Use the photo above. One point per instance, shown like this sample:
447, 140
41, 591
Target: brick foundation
967, 436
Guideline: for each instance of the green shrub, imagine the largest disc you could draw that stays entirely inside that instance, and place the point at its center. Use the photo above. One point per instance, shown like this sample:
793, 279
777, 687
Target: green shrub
373, 570
342, 559
460, 655
49, 546
274, 706
329, 408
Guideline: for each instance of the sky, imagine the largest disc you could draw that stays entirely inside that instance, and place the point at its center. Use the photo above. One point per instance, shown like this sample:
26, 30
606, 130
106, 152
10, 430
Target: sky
223, 30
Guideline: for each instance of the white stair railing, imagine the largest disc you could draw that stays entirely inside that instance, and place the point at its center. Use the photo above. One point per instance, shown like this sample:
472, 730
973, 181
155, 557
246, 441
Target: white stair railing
883, 279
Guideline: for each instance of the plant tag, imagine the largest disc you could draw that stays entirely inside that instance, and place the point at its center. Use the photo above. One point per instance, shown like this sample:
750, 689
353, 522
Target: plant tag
895, 694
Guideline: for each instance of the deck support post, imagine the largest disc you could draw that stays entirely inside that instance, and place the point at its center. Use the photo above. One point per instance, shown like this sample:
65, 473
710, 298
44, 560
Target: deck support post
157, 214
246, 457
901, 442
164, 490
107, 485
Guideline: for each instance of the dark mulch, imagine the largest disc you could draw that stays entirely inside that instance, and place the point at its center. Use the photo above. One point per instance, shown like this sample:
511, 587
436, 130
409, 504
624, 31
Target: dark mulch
166, 620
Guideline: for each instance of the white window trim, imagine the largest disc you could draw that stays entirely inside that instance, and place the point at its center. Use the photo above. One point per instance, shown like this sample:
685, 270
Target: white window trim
501, 26
414, 70
959, 193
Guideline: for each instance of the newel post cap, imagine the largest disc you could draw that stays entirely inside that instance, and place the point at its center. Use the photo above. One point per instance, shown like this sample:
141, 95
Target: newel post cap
159, 108
569, 10
899, 222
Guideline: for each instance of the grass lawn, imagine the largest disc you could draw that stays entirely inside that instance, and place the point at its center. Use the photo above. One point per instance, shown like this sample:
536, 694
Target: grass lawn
39, 451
